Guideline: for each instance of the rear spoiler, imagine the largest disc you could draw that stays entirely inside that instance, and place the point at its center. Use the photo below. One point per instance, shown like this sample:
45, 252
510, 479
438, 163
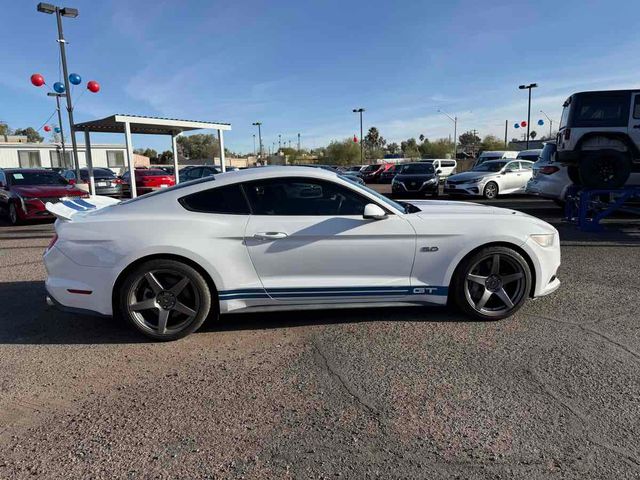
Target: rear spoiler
69, 207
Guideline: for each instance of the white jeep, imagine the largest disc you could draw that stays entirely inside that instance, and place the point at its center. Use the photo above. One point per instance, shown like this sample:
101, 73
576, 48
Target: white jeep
599, 137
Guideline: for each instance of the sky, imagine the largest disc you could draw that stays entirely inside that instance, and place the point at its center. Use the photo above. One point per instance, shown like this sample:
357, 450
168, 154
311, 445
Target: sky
302, 66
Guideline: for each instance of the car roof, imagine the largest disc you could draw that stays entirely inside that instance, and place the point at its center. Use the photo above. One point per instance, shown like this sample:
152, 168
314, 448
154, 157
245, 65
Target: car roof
533, 150
12, 170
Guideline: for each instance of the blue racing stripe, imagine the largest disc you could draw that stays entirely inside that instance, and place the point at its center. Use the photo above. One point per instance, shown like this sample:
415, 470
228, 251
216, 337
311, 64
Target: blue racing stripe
84, 203
323, 292
73, 205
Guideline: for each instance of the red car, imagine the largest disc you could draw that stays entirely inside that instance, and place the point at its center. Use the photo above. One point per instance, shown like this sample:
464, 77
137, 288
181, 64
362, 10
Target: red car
25, 191
147, 180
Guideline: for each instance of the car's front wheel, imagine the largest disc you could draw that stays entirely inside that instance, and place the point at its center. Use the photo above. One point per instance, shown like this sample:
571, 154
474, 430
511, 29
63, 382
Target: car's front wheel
492, 284
12, 214
165, 299
490, 190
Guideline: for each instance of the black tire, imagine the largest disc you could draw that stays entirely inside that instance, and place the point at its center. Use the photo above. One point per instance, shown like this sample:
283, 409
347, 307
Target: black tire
467, 294
491, 191
604, 169
195, 296
12, 214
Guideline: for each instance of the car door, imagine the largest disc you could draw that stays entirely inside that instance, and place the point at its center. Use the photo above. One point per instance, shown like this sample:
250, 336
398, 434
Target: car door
510, 179
307, 239
4, 192
526, 173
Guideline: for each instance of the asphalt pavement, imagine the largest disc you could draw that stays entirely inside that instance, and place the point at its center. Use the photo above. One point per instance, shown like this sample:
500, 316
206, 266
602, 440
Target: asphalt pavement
552, 392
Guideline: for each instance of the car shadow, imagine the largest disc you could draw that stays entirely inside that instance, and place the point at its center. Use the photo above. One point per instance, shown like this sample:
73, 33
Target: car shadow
27, 320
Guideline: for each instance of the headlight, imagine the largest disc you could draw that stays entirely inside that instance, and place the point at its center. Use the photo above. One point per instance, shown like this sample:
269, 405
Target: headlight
431, 180
475, 180
543, 239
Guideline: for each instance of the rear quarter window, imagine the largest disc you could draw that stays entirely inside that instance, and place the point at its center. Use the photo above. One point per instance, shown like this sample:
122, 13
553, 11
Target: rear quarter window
228, 199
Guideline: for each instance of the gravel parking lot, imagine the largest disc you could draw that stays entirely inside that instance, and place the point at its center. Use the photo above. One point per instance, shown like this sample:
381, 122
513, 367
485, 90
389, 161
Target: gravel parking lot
553, 392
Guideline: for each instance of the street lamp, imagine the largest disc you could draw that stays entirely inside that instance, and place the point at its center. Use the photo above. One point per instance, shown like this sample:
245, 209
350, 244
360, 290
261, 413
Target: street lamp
71, 13
550, 122
455, 132
279, 142
64, 150
528, 87
254, 144
360, 110
259, 124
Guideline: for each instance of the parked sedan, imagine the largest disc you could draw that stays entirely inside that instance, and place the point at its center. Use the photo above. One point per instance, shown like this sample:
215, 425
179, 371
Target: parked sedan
371, 173
415, 179
290, 238
147, 180
24, 193
193, 173
105, 180
492, 178
387, 175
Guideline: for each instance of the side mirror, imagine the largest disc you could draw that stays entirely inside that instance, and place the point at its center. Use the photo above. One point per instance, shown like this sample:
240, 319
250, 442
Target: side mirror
374, 212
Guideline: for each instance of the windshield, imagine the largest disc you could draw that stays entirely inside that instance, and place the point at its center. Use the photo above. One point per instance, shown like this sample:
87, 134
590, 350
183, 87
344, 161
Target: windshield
97, 173
417, 169
490, 167
371, 168
36, 178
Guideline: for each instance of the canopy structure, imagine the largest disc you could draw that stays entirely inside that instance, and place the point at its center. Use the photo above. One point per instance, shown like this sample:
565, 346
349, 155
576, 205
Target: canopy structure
128, 124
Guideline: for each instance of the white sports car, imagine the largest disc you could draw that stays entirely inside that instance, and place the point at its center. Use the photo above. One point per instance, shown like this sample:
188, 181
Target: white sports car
278, 238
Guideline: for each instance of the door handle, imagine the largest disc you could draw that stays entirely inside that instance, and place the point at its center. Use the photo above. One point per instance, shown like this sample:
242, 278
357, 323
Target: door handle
269, 235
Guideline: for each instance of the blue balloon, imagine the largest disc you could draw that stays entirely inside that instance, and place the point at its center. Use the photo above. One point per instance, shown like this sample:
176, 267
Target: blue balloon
58, 87
57, 129
75, 79
516, 125
540, 122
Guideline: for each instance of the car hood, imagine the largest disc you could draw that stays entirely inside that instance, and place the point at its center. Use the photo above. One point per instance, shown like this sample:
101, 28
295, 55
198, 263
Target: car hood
415, 178
471, 174
46, 190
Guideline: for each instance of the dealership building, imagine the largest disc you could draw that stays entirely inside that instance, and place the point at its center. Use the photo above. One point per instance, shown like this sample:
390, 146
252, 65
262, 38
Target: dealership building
35, 155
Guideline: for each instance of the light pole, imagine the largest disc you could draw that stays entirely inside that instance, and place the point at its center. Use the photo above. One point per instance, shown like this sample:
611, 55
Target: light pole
528, 87
254, 144
279, 142
71, 13
550, 122
298, 142
64, 149
455, 132
259, 124
360, 110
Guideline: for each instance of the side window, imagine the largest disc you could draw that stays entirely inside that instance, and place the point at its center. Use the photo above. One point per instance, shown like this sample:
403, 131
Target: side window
207, 172
448, 163
228, 199
304, 197
636, 106
526, 165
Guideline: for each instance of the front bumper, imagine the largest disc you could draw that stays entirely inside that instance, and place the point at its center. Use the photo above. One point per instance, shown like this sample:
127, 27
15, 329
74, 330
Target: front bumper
400, 188
463, 188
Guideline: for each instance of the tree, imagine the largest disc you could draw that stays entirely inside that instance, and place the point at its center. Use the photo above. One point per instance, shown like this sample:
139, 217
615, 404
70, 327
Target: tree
4, 128
440, 148
201, 145
410, 148
374, 144
165, 157
533, 134
32, 135
147, 152
346, 152
393, 148
469, 140
491, 142
422, 137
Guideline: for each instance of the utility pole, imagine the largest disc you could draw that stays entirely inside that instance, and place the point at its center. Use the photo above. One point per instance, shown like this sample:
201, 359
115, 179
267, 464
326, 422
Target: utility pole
528, 87
279, 142
474, 132
72, 13
64, 150
298, 142
455, 132
506, 129
360, 110
254, 144
550, 122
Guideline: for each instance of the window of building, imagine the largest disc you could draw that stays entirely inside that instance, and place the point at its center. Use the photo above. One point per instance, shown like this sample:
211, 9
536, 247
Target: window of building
29, 159
304, 197
115, 158
57, 160
228, 199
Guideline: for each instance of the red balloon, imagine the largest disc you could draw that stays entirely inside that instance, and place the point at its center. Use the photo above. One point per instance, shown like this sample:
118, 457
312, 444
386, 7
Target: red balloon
93, 86
523, 123
355, 139
47, 128
37, 80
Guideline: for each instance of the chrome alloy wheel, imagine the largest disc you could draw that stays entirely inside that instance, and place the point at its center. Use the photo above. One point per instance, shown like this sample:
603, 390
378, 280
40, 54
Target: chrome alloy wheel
163, 302
495, 284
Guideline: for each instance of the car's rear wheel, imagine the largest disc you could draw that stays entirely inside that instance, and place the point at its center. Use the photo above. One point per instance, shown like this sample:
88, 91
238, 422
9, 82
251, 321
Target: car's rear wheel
604, 169
165, 299
492, 284
490, 190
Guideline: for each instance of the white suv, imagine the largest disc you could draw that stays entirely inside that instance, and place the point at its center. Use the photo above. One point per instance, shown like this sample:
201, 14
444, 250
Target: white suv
599, 136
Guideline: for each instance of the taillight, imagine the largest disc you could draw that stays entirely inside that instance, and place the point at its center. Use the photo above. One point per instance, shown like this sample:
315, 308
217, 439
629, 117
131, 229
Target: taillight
52, 242
118, 181
548, 169
567, 133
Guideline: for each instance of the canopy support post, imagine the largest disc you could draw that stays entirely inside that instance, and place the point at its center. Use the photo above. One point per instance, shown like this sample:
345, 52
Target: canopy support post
223, 163
87, 146
174, 146
130, 164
